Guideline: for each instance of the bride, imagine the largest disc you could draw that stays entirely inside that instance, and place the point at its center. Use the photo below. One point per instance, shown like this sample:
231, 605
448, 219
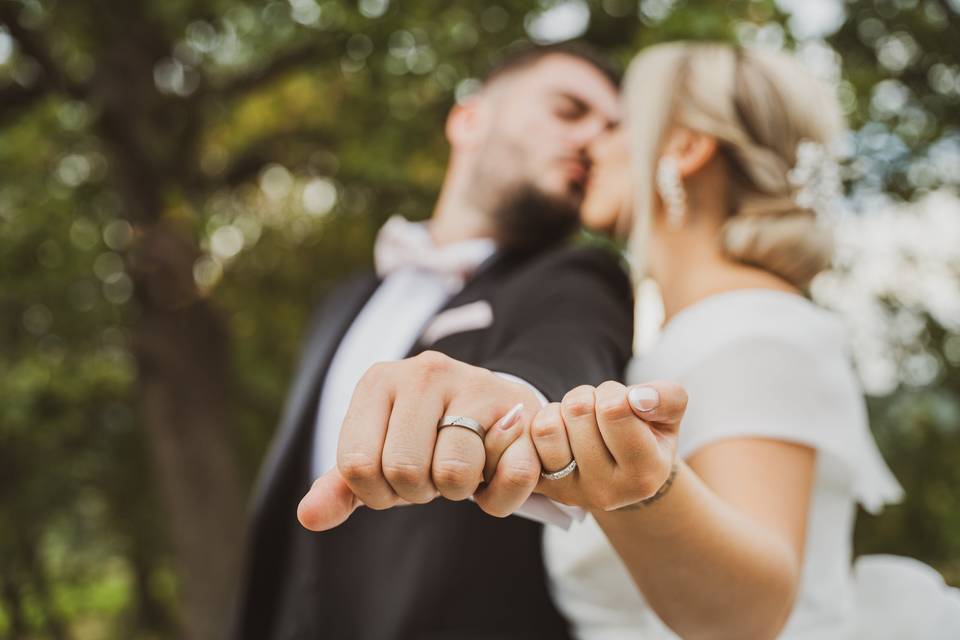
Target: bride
739, 523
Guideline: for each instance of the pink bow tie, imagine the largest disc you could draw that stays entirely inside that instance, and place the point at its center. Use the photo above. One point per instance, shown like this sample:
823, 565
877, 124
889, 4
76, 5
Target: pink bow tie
401, 243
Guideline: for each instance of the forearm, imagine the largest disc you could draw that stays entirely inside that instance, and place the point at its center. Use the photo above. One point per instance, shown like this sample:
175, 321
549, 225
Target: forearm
703, 567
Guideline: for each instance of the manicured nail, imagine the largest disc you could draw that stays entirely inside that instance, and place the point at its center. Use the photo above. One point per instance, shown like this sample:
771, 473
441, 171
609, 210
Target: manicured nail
511, 418
643, 398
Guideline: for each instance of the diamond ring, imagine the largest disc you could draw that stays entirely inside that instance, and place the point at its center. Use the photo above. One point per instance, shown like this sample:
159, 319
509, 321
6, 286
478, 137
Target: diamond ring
563, 473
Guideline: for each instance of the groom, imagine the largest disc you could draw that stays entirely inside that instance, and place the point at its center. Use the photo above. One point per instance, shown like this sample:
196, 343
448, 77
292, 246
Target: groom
479, 310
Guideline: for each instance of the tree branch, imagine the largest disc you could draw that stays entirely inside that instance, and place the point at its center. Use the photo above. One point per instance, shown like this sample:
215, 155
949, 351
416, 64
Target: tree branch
248, 162
282, 63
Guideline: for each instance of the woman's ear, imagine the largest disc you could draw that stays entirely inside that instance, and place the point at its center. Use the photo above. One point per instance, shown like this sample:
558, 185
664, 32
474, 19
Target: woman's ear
692, 150
696, 151
465, 123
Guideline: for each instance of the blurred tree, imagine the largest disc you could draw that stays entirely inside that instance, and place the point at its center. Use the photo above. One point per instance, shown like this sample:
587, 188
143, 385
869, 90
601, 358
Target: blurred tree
182, 179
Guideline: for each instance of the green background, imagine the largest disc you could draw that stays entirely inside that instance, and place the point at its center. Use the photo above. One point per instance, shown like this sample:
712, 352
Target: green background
179, 181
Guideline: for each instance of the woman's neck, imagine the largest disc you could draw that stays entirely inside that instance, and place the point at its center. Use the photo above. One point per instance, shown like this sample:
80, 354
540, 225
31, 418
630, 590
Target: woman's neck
695, 269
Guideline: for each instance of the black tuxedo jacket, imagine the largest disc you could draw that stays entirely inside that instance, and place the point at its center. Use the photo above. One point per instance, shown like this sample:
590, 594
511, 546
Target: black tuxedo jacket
445, 569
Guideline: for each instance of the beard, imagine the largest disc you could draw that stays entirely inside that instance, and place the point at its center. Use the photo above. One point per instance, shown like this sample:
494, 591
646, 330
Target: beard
527, 220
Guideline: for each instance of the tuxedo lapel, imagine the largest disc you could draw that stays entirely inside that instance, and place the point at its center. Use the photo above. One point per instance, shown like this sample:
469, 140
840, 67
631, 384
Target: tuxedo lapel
326, 329
465, 295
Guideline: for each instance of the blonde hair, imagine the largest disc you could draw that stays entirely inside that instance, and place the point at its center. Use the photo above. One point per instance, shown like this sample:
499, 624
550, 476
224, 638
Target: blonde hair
759, 105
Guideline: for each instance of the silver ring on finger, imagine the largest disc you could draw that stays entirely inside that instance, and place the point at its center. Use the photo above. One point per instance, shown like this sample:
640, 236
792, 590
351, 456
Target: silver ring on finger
464, 422
562, 473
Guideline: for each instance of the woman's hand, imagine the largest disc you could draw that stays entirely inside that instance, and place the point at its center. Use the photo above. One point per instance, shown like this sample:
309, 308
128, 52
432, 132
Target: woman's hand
624, 440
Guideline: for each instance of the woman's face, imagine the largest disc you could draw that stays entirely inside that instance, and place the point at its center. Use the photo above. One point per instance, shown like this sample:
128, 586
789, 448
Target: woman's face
609, 195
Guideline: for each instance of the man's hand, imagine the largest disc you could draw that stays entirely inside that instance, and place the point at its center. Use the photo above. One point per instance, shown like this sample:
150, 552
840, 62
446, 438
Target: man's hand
392, 453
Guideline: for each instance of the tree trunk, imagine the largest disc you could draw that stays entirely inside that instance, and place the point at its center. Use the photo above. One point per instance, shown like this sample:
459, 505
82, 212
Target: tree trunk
13, 607
182, 358
53, 622
151, 616
180, 342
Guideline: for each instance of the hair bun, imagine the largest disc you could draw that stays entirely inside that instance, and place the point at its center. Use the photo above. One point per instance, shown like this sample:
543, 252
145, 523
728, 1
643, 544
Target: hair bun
789, 244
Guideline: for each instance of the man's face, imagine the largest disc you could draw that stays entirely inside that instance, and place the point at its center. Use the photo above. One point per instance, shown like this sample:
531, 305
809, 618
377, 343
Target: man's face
543, 119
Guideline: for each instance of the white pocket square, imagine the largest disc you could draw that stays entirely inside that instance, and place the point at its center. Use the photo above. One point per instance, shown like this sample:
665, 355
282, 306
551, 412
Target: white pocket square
469, 317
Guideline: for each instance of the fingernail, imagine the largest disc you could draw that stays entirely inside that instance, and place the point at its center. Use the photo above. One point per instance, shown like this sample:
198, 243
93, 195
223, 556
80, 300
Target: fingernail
643, 398
510, 418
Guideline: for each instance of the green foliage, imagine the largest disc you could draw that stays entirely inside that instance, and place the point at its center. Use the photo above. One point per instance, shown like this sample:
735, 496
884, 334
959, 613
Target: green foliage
919, 431
281, 135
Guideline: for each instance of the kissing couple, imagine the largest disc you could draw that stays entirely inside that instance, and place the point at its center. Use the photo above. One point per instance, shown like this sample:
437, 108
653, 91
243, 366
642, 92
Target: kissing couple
483, 457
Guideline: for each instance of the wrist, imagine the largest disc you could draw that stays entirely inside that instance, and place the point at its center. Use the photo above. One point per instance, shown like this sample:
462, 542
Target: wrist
660, 493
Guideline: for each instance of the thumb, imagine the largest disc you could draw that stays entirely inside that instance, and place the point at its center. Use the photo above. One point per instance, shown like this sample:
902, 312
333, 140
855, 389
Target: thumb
328, 503
661, 403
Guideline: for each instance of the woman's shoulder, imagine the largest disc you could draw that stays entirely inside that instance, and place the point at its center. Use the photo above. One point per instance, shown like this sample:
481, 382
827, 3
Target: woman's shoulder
743, 322
763, 314
760, 363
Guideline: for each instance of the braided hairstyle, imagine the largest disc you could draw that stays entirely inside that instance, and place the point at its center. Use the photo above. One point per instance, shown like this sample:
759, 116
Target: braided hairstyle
759, 105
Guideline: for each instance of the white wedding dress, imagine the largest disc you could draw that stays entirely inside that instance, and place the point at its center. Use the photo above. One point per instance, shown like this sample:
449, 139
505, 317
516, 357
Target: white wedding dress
759, 363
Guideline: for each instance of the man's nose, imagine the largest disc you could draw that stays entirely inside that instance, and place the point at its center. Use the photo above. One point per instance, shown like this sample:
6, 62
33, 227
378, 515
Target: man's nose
588, 131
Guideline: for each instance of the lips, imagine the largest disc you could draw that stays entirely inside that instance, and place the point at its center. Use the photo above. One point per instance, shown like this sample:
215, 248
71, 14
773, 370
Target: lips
577, 171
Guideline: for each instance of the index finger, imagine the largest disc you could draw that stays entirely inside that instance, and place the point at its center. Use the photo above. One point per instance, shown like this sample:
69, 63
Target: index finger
362, 437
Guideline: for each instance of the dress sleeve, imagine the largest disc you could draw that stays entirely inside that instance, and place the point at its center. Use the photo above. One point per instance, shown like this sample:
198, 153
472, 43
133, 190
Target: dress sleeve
768, 387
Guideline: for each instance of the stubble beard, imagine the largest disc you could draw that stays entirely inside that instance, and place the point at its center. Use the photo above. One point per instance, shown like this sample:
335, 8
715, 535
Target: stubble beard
527, 220
524, 218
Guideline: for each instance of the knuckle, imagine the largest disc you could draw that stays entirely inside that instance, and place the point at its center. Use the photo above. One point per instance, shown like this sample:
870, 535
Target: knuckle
375, 374
647, 484
578, 405
547, 425
639, 485
403, 472
579, 402
615, 408
357, 467
455, 473
432, 362
547, 430
520, 475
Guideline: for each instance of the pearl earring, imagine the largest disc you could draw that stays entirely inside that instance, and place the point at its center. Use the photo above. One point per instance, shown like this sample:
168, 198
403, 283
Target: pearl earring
670, 187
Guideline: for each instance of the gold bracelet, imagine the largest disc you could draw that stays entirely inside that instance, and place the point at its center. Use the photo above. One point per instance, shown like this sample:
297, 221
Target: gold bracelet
662, 491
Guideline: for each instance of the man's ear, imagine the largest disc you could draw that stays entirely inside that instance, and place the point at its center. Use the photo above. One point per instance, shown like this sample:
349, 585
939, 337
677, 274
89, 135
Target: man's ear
466, 123
691, 149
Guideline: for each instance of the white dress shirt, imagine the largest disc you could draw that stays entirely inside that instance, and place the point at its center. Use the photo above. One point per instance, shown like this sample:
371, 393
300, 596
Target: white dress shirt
418, 279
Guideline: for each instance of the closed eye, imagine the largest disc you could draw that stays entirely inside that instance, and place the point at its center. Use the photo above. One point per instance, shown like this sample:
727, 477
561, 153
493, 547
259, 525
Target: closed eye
570, 108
